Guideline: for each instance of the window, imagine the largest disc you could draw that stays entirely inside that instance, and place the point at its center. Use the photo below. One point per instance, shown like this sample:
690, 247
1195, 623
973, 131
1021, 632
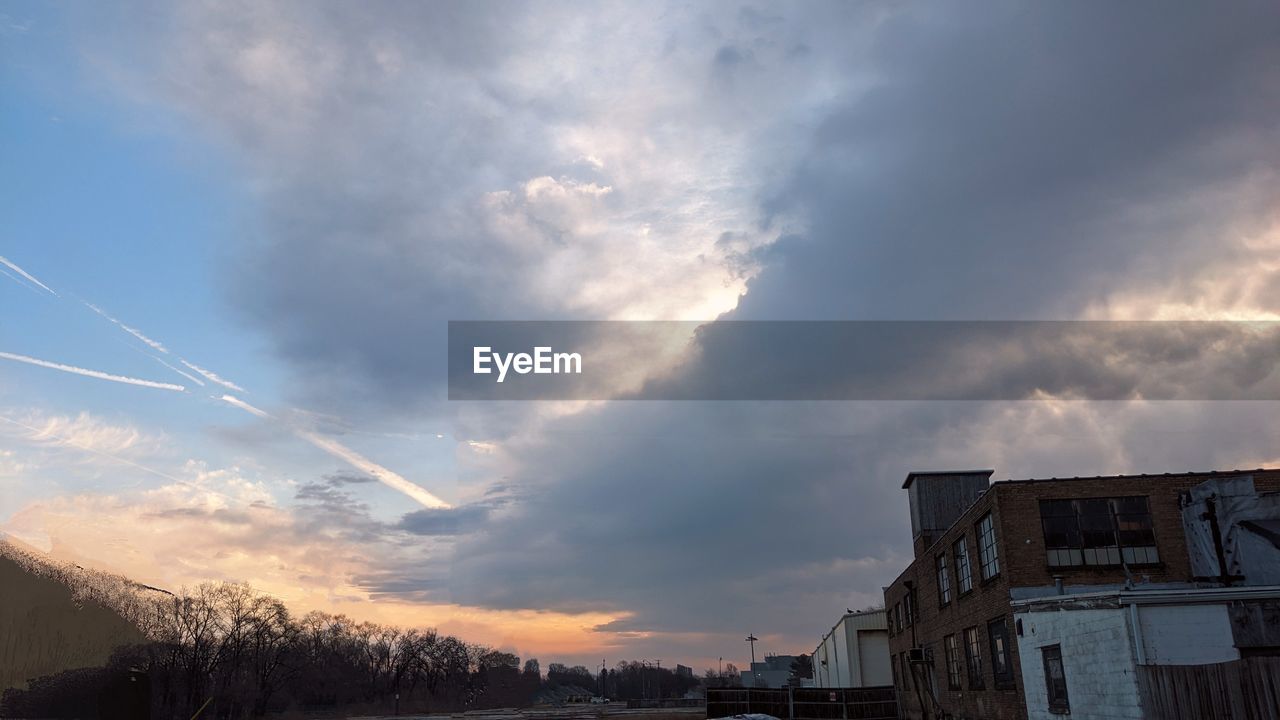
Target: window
952, 647
897, 617
973, 658
964, 575
988, 558
1055, 679
907, 607
944, 580
1001, 663
906, 671
1098, 531
894, 667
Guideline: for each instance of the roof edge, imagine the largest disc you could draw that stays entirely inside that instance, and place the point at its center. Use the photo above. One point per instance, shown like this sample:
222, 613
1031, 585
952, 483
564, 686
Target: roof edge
911, 476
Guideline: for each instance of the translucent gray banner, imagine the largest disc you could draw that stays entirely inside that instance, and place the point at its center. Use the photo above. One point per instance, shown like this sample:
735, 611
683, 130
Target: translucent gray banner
863, 360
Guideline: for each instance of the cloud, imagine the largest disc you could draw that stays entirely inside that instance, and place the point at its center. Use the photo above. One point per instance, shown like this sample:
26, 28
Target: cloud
446, 521
820, 161
1019, 165
89, 433
218, 524
91, 373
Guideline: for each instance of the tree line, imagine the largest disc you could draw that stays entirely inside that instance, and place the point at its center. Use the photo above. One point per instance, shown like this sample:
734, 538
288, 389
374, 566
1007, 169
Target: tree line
226, 651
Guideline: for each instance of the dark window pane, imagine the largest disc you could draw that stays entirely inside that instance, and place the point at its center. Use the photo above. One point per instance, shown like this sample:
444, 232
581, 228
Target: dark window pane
944, 579
988, 559
1001, 661
952, 645
973, 658
1098, 531
1055, 679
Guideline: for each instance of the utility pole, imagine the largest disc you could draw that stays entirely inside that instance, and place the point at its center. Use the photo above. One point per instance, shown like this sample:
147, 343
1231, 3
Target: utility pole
658, 681
755, 677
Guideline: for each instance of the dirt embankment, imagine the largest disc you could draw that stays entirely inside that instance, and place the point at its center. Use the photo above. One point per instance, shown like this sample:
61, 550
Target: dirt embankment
44, 630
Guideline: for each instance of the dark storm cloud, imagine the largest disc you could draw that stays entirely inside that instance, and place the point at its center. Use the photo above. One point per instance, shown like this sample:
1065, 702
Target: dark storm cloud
1007, 161
724, 517
1015, 162
446, 521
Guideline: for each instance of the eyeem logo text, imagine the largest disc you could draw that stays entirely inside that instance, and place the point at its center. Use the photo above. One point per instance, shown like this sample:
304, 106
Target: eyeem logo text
542, 362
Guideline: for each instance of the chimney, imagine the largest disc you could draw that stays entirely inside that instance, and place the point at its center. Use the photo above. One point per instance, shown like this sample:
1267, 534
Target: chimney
939, 498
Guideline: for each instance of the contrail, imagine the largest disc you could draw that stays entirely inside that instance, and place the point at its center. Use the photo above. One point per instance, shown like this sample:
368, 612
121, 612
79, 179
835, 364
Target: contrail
132, 331
387, 477
237, 402
27, 275
91, 373
212, 377
184, 374
14, 278
157, 345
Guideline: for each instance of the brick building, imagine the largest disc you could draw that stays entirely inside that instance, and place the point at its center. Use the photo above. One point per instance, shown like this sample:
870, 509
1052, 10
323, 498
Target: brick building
981, 546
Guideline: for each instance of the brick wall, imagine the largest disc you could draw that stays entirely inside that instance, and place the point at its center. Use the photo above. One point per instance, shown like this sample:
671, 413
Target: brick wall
1020, 541
986, 602
1019, 509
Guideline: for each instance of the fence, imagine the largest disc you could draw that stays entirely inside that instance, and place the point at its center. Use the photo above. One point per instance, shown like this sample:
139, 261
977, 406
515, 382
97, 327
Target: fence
1247, 689
867, 703
665, 703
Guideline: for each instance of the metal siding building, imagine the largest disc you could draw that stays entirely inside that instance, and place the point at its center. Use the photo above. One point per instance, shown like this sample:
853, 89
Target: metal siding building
854, 653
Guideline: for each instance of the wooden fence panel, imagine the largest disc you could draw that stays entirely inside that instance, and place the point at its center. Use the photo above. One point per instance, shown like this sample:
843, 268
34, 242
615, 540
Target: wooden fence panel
1247, 689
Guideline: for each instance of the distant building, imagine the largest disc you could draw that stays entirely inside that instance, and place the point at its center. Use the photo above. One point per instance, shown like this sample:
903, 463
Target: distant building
773, 672
855, 653
1019, 589
684, 671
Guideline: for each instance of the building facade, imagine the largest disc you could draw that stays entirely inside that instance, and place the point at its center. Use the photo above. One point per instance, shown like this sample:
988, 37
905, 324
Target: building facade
854, 653
981, 546
1085, 654
772, 672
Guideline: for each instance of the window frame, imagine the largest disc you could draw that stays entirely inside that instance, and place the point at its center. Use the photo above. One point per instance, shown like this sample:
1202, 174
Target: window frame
965, 578
1058, 704
1004, 654
983, 546
973, 658
942, 572
955, 670
1074, 538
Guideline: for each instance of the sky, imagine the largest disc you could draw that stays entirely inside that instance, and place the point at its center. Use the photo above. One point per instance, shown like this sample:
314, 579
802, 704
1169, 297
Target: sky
232, 236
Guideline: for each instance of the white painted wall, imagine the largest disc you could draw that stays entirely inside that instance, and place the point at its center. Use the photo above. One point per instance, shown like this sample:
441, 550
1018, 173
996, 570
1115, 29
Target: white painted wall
856, 652
1097, 656
1186, 634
